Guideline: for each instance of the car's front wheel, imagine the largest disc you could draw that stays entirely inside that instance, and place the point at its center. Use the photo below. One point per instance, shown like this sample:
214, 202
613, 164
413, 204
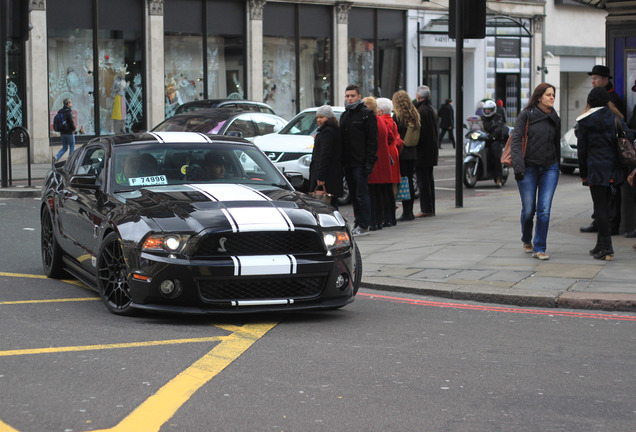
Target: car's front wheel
112, 276
357, 271
51, 251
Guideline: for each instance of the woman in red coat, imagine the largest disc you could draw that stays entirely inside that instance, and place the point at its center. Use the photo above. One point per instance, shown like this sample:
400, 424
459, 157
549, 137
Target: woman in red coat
385, 108
380, 178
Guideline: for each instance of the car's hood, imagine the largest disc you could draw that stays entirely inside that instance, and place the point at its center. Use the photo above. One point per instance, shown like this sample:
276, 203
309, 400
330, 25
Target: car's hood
229, 207
285, 143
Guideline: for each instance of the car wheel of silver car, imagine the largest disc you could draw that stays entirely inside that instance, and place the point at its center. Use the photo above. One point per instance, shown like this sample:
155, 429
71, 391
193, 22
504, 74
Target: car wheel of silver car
112, 277
346, 195
51, 251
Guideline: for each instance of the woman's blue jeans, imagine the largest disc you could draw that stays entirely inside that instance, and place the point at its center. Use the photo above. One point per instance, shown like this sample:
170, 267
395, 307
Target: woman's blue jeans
537, 190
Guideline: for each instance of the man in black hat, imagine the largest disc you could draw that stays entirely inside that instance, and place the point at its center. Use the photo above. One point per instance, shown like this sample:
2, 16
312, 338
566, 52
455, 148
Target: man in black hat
600, 77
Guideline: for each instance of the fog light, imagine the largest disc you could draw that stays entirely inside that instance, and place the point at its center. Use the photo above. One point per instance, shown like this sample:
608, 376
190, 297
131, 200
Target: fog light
167, 287
341, 281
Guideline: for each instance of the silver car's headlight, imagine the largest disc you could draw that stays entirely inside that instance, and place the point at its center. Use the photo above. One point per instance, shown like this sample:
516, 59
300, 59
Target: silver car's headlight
305, 160
336, 242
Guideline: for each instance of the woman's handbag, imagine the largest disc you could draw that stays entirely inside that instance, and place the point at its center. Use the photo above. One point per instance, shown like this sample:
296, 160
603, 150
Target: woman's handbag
626, 149
404, 191
322, 194
412, 136
506, 156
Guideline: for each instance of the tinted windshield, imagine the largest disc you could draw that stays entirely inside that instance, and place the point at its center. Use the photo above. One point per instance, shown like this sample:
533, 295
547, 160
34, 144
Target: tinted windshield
304, 124
205, 121
135, 166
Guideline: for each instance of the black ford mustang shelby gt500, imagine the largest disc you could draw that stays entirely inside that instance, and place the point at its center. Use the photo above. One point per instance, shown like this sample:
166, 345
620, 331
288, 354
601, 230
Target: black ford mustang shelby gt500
188, 222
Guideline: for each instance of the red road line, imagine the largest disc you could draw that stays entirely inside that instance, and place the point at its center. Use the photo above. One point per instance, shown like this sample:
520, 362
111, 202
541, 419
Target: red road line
550, 312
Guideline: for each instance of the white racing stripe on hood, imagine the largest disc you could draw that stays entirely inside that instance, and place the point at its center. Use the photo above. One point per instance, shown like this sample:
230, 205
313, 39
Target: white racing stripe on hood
264, 265
246, 219
181, 137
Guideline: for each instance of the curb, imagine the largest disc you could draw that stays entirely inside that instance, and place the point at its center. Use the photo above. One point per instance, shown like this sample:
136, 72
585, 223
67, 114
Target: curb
561, 300
20, 192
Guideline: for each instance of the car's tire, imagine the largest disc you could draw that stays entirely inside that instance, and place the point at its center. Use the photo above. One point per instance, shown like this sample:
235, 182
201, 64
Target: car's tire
357, 270
346, 195
112, 276
51, 251
470, 179
567, 170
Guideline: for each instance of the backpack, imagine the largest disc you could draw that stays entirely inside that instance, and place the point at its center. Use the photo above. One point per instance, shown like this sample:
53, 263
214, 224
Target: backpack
59, 122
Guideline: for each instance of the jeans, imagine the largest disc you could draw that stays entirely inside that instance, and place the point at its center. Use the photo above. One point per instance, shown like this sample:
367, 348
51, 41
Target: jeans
358, 183
68, 142
537, 190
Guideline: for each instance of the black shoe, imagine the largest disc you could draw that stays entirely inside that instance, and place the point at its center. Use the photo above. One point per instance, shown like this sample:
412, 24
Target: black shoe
631, 234
591, 228
604, 254
596, 250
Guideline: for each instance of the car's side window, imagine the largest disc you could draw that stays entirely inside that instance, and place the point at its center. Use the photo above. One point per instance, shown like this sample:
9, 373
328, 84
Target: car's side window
243, 125
267, 124
92, 161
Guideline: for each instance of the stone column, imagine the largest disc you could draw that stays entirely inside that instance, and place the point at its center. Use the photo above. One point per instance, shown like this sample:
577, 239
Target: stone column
536, 60
255, 50
341, 54
37, 103
155, 91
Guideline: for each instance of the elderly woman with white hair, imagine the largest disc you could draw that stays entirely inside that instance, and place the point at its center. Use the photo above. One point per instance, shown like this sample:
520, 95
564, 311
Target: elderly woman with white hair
395, 143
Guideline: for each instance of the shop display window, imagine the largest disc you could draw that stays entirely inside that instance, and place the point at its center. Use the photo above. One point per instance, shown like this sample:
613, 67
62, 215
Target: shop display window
183, 69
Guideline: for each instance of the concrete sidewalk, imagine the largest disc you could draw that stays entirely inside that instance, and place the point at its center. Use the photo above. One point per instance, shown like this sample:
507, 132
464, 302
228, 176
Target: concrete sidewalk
474, 253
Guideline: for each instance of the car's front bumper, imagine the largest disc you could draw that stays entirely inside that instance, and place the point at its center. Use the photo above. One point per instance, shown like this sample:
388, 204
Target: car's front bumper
262, 283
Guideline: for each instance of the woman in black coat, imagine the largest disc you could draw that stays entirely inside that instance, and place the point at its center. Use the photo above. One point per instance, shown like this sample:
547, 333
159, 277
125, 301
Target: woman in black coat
326, 158
599, 167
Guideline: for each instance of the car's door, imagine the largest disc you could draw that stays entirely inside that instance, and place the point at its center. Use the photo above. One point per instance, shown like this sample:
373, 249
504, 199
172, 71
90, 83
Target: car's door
80, 211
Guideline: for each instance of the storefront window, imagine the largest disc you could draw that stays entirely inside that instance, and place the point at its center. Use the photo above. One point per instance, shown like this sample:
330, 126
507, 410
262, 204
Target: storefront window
183, 70
361, 60
15, 90
279, 77
70, 53
315, 55
120, 82
390, 44
225, 67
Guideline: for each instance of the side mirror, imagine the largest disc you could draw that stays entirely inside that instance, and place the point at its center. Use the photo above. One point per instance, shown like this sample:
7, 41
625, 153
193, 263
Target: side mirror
85, 181
237, 134
296, 179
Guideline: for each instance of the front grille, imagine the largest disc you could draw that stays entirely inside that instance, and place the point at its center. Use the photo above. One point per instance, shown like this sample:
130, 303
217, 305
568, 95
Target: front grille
290, 156
259, 243
261, 289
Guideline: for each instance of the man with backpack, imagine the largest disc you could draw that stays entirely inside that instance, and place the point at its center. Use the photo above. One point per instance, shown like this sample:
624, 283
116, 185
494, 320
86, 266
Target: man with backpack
64, 124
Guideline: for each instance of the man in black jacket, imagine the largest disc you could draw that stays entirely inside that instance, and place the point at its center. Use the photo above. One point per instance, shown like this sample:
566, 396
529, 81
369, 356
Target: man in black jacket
601, 77
446, 121
359, 128
68, 139
427, 151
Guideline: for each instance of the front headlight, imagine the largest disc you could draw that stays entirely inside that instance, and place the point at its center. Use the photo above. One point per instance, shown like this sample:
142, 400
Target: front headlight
305, 160
336, 242
168, 243
475, 135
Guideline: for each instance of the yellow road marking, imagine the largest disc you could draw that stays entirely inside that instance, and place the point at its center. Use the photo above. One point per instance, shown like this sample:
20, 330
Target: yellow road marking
24, 275
160, 407
6, 428
48, 301
53, 350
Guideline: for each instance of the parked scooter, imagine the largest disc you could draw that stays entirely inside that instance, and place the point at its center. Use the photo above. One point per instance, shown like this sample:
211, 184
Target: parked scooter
476, 164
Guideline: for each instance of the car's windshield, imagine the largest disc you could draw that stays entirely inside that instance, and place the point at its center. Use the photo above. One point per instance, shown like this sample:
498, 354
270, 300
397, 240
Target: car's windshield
303, 124
135, 166
205, 121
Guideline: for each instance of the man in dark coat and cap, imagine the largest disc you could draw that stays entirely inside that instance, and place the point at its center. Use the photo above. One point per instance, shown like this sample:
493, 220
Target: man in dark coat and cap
601, 77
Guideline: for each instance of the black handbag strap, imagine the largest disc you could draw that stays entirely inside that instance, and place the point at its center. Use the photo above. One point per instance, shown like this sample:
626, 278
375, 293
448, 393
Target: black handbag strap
620, 133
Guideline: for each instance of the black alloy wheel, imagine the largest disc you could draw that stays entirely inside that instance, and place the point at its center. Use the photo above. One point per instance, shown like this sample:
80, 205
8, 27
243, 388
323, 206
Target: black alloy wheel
51, 251
112, 277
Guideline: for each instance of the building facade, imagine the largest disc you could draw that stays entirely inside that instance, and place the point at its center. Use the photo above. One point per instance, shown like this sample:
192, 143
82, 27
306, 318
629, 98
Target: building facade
127, 64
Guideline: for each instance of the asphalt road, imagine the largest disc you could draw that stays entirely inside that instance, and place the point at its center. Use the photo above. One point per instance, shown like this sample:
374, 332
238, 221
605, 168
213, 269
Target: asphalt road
386, 362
